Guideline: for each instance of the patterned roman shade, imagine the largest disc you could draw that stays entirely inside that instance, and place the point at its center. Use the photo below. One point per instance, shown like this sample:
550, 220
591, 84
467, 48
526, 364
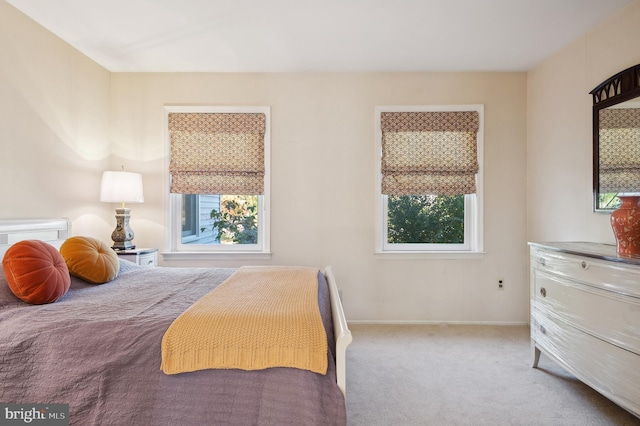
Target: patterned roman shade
217, 153
429, 153
620, 150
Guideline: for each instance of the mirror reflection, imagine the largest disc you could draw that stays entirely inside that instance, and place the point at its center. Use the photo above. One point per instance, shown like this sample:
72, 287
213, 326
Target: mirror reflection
619, 152
616, 139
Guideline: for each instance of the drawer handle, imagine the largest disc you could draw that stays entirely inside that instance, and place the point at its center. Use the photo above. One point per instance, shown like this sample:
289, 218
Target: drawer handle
542, 261
584, 265
543, 291
543, 330
150, 262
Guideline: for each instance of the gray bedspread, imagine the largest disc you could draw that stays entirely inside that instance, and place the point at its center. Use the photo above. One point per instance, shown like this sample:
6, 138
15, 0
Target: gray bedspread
98, 349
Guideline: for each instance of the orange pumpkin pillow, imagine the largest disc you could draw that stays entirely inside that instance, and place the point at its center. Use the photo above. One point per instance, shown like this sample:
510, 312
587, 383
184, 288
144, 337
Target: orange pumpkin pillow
36, 272
90, 259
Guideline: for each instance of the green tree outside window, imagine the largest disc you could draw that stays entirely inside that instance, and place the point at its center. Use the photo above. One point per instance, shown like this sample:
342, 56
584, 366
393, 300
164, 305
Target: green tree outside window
237, 220
426, 219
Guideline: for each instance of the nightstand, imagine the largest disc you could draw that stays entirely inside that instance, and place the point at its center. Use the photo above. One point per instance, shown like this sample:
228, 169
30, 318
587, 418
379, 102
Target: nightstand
141, 256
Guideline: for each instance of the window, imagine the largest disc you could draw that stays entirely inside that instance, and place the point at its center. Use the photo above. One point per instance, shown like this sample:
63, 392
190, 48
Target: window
189, 216
219, 168
429, 178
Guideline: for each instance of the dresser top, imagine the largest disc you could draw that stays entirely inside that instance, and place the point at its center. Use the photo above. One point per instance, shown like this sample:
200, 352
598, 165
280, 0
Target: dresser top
594, 250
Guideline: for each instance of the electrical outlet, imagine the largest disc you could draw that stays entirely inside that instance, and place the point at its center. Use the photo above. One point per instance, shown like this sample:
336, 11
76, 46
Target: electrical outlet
500, 284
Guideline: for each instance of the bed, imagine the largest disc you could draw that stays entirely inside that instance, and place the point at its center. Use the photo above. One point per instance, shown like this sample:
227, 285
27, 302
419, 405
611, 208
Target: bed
98, 349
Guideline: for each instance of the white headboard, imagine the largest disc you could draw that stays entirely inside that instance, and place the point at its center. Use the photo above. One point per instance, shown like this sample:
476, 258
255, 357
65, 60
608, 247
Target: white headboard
53, 231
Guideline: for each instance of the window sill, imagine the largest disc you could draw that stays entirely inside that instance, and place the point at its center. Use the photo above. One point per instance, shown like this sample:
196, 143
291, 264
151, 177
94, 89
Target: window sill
208, 255
420, 255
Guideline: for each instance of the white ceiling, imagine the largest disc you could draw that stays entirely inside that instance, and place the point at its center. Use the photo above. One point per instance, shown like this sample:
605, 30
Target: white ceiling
319, 35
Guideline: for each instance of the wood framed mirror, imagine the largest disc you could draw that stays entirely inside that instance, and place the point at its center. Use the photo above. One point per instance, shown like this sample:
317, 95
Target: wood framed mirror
616, 138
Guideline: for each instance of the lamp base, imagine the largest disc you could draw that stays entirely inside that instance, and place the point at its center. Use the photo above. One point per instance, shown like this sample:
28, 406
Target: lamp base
123, 234
625, 222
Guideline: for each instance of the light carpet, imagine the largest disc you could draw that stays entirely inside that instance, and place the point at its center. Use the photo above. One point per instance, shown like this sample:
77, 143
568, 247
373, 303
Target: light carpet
405, 375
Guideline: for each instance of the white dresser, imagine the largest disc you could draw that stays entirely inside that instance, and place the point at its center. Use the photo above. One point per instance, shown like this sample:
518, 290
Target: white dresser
585, 315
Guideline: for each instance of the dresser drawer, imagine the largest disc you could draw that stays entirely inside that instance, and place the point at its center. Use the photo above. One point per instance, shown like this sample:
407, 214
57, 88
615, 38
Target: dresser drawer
610, 370
621, 278
602, 313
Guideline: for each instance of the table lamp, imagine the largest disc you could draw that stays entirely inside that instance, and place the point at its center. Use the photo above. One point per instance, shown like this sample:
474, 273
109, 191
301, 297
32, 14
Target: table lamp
122, 187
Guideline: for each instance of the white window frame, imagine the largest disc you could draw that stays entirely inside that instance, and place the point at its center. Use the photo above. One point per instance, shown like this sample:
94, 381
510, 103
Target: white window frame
473, 203
261, 250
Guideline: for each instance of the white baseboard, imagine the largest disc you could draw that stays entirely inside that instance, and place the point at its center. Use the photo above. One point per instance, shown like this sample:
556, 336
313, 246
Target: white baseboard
431, 322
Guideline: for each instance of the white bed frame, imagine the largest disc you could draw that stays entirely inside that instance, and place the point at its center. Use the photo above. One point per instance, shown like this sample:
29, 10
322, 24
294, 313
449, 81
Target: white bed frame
56, 231
53, 231
341, 331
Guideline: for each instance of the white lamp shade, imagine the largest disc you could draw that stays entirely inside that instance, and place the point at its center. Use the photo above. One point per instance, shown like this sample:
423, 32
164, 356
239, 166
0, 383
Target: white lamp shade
121, 187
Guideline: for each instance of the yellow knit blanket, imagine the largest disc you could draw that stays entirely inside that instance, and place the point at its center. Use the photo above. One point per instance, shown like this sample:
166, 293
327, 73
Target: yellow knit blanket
260, 317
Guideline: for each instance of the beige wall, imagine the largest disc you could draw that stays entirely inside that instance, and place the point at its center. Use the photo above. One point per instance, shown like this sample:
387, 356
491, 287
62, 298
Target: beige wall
324, 185
559, 140
63, 120
54, 126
